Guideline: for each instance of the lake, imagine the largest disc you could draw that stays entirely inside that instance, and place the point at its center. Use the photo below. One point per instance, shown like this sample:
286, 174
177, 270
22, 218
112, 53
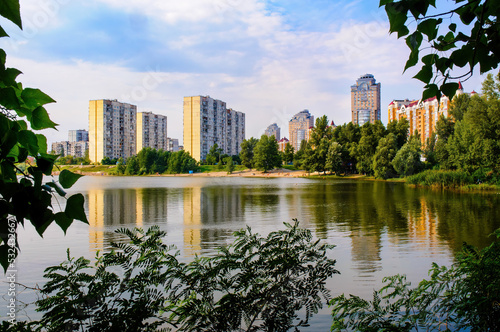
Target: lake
379, 228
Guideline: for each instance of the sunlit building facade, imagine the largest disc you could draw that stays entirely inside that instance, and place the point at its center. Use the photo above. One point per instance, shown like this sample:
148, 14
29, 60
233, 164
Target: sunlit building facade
207, 122
151, 131
298, 128
273, 130
365, 100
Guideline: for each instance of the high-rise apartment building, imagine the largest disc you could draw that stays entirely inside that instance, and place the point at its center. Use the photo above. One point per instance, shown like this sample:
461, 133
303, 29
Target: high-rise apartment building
422, 115
365, 100
151, 131
273, 130
207, 122
173, 144
112, 129
298, 128
79, 135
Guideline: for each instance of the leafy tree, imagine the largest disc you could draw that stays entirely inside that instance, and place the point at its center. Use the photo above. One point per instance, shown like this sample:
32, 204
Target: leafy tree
272, 283
400, 129
132, 167
267, 155
229, 165
407, 160
463, 297
214, 155
108, 161
298, 158
321, 135
459, 106
384, 154
288, 154
334, 158
23, 193
467, 35
247, 152
181, 162
120, 167
364, 151
430, 150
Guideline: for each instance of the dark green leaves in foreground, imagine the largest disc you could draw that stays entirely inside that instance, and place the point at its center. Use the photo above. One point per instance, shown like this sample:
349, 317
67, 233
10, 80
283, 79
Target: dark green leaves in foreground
464, 297
478, 44
24, 160
272, 283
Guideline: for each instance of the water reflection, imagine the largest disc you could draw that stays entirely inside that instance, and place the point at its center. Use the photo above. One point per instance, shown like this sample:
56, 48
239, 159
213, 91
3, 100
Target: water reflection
377, 217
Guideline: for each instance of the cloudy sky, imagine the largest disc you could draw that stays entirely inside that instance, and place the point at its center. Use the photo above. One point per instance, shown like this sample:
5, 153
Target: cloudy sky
267, 58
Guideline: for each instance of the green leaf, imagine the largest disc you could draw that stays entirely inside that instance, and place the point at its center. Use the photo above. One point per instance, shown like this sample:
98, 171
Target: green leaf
11, 11
8, 98
34, 98
58, 189
42, 143
429, 59
429, 28
453, 27
28, 139
3, 33
397, 19
449, 89
9, 76
45, 163
40, 119
425, 74
75, 208
63, 221
462, 56
414, 41
67, 179
431, 90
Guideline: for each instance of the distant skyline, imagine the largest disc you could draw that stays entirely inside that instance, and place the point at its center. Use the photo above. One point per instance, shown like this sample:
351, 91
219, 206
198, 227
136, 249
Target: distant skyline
268, 59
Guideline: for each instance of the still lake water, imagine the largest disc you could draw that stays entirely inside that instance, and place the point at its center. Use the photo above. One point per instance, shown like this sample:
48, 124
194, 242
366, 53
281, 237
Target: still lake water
379, 228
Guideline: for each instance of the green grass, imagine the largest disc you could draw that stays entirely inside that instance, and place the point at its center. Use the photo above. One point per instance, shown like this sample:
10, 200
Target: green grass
213, 168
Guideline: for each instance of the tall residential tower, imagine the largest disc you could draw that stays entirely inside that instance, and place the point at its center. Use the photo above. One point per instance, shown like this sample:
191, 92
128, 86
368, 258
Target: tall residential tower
207, 122
298, 128
365, 100
112, 129
151, 131
273, 130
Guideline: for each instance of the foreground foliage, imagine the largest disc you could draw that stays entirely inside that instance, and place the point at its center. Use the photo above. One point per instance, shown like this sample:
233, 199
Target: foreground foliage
23, 193
464, 297
272, 283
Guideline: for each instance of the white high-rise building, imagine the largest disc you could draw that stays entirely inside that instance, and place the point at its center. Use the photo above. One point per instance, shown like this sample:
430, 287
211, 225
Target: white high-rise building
151, 131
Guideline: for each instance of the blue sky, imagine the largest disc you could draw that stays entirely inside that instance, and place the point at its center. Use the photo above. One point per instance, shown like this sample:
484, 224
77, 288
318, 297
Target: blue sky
269, 59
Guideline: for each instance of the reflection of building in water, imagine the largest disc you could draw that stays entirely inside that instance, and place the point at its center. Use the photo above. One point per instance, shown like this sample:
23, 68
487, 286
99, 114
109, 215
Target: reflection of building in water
366, 246
204, 208
127, 207
422, 226
193, 200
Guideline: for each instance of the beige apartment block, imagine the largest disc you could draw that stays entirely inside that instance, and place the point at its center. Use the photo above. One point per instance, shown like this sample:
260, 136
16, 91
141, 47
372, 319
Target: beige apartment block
365, 100
112, 129
151, 131
207, 122
298, 128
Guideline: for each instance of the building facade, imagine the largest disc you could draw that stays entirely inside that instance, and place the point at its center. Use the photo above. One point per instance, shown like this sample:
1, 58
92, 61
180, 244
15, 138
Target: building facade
422, 115
151, 131
173, 144
273, 130
112, 129
298, 128
365, 100
282, 144
207, 122
79, 135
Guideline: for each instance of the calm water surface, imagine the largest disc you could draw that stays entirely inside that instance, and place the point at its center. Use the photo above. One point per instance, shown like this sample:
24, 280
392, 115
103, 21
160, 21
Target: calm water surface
379, 228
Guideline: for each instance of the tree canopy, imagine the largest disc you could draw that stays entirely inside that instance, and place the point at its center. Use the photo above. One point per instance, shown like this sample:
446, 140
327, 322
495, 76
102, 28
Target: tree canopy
464, 35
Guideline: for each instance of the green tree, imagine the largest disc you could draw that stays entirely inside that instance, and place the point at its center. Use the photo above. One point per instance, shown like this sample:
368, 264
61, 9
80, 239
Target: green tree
400, 129
267, 155
120, 167
463, 34
364, 151
247, 152
298, 158
407, 160
229, 165
288, 154
132, 167
272, 283
334, 158
384, 154
321, 135
214, 155
23, 193
459, 106
463, 297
